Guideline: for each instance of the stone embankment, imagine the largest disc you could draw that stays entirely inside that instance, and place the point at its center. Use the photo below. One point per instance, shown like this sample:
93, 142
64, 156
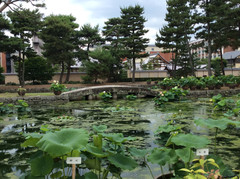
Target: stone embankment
68, 96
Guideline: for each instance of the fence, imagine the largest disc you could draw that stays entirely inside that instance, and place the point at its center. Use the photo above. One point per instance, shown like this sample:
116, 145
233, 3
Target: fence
75, 76
164, 73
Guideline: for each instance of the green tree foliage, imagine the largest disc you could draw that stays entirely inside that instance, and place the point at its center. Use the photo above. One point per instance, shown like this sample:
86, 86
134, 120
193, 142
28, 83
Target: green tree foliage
59, 36
38, 69
24, 24
132, 29
4, 25
176, 35
102, 65
112, 33
2, 77
216, 64
89, 36
15, 3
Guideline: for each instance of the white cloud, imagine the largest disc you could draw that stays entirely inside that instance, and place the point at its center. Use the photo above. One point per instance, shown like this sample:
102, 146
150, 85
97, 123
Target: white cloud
96, 12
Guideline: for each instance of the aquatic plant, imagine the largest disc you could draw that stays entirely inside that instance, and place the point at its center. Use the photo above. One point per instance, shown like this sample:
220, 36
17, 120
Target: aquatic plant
200, 169
131, 97
20, 106
104, 155
105, 96
217, 124
173, 94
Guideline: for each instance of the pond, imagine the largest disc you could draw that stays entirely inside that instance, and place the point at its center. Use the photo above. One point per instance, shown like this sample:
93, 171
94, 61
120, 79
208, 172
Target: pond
138, 118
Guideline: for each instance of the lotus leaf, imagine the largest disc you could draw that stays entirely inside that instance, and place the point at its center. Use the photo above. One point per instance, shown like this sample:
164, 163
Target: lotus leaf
190, 141
41, 166
117, 137
138, 152
56, 175
219, 123
90, 175
99, 129
123, 162
93, 164
167, 128
186, 154
62, 142
162, 156
95, 151
31, 142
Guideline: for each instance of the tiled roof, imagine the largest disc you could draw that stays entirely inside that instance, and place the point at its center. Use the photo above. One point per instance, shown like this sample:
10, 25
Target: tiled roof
231, 55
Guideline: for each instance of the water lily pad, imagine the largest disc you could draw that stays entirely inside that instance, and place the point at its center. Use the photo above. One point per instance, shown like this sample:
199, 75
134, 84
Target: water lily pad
123, 162
190, 140
63, 142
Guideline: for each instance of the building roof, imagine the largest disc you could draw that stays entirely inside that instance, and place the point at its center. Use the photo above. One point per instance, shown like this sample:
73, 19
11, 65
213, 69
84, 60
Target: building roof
231, 55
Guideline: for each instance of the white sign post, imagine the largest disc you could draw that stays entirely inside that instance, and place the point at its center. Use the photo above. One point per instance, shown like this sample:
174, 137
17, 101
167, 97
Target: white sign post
202, 153
74, 161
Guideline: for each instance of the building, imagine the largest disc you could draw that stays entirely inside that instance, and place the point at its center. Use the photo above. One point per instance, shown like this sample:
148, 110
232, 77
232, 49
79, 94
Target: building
200, 51
7, 63
233, 58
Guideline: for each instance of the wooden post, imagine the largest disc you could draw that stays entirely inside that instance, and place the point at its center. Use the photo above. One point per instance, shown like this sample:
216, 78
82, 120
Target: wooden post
73, 171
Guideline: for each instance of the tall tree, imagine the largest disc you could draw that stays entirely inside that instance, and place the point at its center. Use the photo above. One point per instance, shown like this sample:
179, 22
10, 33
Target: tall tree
176, 35
13, 4
205, 18
90, 36
113, 35
132, 28
25, 23
4, 25
59, 36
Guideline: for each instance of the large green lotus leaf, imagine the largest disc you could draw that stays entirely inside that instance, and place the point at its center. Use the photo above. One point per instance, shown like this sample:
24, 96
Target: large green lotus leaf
93, 164
123, 162
190, 141
56, 175
31, 142
95, 151
117, 137
90, 175
167, 128
186, 154
99, 129
160, 156
218, 123
138, 152
41, 166
63, 142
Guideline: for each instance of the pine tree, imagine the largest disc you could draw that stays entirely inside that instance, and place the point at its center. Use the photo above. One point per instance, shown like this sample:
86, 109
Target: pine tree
25, 23
90, 36
132, 29
112, 34
175, 36
59, 36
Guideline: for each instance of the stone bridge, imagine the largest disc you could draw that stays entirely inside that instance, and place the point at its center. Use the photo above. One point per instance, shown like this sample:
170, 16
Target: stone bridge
116, 91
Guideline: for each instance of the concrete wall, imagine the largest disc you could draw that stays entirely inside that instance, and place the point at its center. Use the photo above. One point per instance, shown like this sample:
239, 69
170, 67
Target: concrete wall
75, 76
164, 73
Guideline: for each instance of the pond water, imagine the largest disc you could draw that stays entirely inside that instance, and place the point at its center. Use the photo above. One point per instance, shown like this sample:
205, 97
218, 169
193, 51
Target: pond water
139, 119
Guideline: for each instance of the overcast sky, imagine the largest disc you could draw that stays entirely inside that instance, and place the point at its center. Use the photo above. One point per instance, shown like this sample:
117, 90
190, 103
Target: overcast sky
96, 12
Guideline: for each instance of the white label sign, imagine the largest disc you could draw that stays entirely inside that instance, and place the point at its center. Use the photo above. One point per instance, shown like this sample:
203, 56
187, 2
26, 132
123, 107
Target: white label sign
202, 152
74, 160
